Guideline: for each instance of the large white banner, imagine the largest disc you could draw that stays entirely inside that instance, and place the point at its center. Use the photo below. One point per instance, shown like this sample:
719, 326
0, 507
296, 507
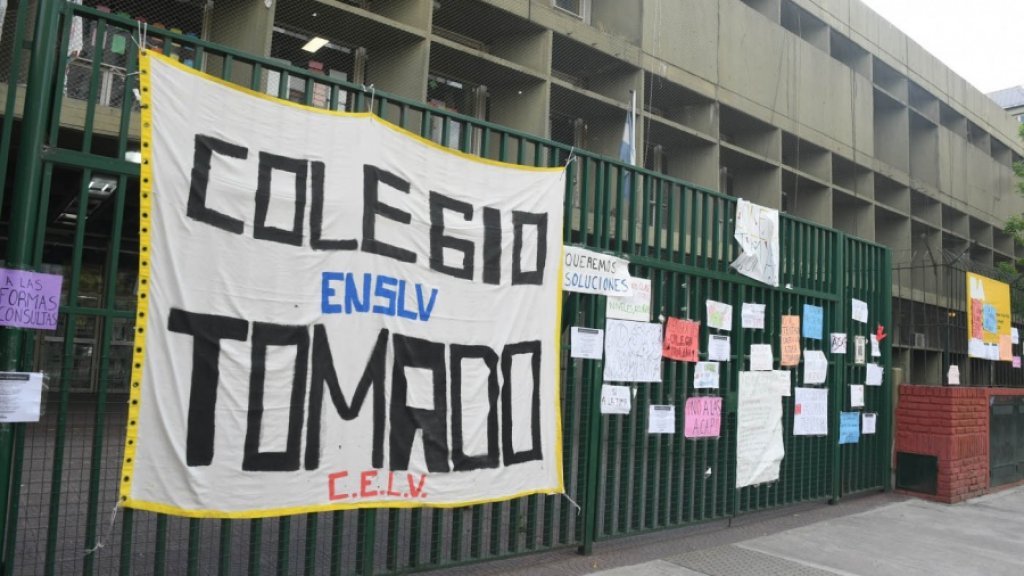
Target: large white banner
335, 313
757, 232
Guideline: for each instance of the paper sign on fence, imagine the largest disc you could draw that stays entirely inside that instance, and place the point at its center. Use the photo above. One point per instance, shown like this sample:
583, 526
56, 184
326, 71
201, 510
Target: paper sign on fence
753, 316
815, 367
719, 348
874, 375
636, 307
632, 351
20, 396
859, 310
814, 317
706, 375
849, 427
868, 421
790, 341
810, 412
586, 343
838, 342
592, 272
759, 447
757, 232
719, 315
661, 419
856, 395
859, 344
29, 299
681, 340
761, 357
615, 399
703, 417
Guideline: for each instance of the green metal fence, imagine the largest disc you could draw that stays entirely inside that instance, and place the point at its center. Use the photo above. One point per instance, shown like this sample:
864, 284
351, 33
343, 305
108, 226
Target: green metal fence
73, 210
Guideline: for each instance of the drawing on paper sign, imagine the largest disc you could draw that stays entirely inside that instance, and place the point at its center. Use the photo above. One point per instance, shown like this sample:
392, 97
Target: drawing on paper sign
632, 351
681, 340
757, 232
358, 323
703, 417
705, 375
759, 448
719, 315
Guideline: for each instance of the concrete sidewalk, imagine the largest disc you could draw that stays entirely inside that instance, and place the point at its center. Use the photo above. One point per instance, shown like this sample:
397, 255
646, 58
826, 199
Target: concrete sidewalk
876, 535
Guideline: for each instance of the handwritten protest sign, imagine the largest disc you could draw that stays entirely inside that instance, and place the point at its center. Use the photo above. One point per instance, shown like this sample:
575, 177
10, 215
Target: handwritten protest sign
759, 448
815, 367
615, 399
632, 351
703, 417
838, 343
874, 375
810, 412
856, 395
29, 299
814, 317
753, 316
859, 310
761, 357
363, 318
790, 341
636, 307
681, 340
592, 272
849, 427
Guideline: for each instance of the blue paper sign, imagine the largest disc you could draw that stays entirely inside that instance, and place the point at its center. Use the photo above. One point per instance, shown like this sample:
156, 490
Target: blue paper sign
814, 317
849, 427
988, 318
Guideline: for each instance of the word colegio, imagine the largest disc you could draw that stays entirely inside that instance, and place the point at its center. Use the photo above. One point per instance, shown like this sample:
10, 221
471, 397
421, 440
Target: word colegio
529, 229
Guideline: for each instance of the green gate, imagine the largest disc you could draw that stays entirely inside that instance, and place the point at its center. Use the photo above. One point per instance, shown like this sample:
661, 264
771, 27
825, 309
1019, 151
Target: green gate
73, 210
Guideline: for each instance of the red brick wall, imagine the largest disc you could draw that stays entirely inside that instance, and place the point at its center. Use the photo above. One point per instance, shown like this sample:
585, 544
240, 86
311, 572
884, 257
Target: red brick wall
951, 424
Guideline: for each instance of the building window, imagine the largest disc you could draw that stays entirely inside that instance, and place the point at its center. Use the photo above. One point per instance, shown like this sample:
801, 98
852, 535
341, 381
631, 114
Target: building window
578, 8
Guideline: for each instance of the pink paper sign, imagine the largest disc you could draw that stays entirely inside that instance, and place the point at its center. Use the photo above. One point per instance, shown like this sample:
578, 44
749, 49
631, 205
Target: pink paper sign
29, 299
681, 340
703, 417
1016, 361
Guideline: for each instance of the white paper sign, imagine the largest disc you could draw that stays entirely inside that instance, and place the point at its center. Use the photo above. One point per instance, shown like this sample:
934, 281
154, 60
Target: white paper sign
757, 232
815, 367
876, 351
856, 395
636, 307
1014, 335
615, 399
874, 377
759, 448
339, 307
632, 351
20, 396
705, 375
753, 316
810, 412
859, 344
586, 343
594, 273
859, 310
719, 348
661, 419
719, 315
953, 375
761, 357
868, 420
838, 340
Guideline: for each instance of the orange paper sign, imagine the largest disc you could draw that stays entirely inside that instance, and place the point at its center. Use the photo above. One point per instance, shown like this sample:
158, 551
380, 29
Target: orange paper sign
681, 340
1006, 347
790, 340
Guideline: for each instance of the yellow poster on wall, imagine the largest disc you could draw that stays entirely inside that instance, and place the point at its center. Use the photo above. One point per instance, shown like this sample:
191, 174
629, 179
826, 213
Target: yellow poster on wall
988, 305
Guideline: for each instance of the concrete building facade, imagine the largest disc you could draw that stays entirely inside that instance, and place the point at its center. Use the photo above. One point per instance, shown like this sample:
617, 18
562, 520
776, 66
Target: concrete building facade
820, 108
